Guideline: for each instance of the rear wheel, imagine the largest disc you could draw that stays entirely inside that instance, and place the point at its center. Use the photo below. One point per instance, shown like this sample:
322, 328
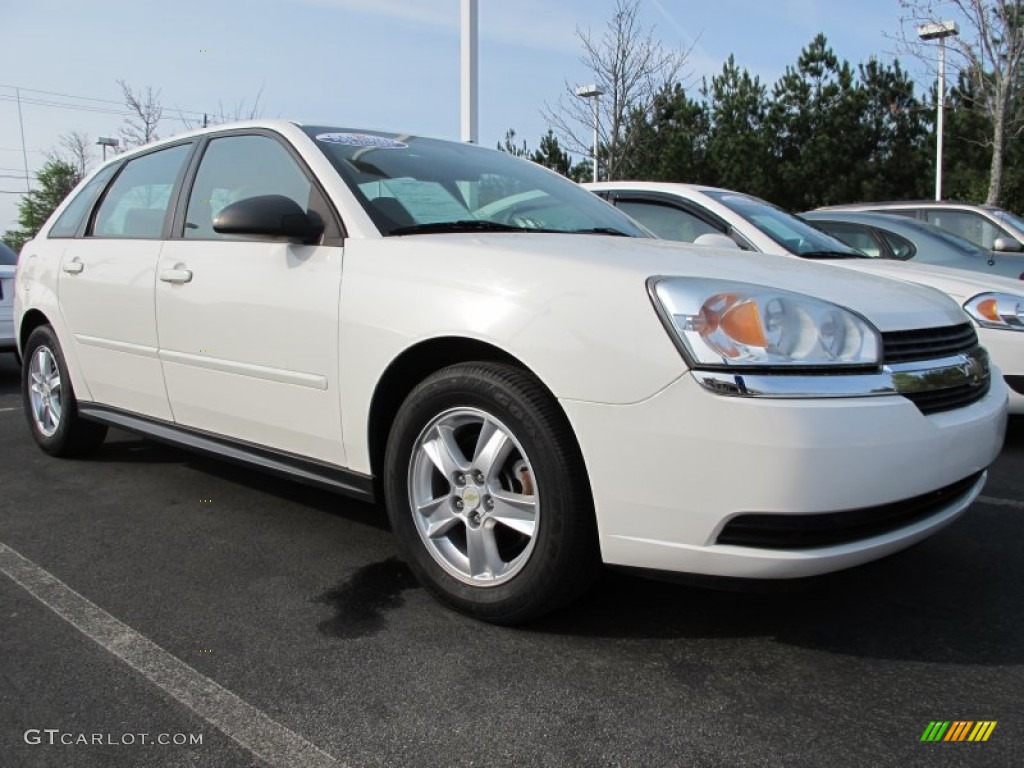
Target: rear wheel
487, 494
50, 404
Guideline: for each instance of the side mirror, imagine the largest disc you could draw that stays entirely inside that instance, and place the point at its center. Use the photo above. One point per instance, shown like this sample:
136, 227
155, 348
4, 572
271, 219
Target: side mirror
268, 216
715, 240
1006, 245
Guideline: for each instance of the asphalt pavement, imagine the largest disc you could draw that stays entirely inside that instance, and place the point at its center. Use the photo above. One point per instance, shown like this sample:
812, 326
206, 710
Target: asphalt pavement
160, 595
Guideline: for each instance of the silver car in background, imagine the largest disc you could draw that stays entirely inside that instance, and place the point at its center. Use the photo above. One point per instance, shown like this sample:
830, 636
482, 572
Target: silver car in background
989, 226
8, 265
886, 236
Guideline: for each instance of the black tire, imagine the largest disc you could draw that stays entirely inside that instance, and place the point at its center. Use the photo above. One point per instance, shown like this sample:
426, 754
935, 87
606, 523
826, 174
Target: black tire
71, 435
563, 557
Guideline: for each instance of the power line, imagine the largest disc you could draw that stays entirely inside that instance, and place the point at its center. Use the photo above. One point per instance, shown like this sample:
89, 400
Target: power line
79, 107
84, 108
119, 110
64, 95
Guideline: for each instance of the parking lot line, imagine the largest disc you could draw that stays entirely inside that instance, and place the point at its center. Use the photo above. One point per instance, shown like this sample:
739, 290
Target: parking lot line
997, 502
255, 731
5, 410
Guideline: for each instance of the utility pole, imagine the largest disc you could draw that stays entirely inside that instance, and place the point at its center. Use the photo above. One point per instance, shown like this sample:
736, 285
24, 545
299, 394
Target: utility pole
24, 152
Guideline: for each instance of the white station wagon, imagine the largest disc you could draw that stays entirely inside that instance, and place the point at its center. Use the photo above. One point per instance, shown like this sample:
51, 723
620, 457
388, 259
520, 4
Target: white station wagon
530, 386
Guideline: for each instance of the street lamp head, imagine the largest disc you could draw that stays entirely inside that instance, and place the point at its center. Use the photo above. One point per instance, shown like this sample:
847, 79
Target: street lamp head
589, 91
106, 141
938, 30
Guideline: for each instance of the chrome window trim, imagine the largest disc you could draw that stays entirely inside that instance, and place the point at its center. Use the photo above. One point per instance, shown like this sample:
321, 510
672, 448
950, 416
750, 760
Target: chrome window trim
966, 369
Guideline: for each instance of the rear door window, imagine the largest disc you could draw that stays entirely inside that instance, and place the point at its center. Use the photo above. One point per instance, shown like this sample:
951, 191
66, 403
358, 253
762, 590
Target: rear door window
136, 203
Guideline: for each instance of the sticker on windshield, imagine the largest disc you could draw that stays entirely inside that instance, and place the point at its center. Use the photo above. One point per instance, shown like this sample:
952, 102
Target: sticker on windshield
361, 140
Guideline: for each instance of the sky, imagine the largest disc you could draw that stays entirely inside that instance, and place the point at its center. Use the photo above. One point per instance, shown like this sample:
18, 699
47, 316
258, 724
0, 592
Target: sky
372, 64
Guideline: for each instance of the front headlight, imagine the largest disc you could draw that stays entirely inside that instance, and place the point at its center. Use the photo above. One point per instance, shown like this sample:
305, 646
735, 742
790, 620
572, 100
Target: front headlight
721, 323
997, 310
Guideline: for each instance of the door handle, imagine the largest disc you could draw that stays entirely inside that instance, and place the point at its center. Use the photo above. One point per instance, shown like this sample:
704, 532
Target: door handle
178, 275
74, 266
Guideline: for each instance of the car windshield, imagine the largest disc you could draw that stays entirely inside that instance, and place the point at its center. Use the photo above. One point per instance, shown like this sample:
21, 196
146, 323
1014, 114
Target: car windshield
793, 234
412, 185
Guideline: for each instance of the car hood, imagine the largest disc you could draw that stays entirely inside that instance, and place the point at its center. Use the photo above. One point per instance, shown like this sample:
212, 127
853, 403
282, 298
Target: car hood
580, 260
961, 284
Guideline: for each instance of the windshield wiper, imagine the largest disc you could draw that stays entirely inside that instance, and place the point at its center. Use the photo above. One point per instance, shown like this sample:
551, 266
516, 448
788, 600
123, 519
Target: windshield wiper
462, 225
600, 231
832, 255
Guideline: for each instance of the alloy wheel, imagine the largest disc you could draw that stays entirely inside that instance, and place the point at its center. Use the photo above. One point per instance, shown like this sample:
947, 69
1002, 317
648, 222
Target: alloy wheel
473, 497
45, 393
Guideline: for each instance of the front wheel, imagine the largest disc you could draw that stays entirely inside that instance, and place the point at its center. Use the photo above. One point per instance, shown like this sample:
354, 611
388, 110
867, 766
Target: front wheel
487, 494
50, 403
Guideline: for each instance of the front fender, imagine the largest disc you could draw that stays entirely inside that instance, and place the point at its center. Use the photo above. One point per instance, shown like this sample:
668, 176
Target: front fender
591, 337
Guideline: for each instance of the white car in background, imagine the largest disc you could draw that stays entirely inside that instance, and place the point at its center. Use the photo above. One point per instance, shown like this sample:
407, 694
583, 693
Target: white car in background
712, 216
529, 384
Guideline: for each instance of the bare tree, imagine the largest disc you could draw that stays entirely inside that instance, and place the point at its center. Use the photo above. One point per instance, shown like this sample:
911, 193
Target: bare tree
146, 113
989, 55
631, 67
77, 150
223, 115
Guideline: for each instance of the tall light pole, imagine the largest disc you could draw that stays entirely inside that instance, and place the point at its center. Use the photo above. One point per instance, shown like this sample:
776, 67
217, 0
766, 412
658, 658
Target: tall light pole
939, 31
469, 71
106, 141
593, 92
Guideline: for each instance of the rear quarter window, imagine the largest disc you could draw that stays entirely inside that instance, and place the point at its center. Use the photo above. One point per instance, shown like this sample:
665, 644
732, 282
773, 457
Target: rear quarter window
901, 248
71, 221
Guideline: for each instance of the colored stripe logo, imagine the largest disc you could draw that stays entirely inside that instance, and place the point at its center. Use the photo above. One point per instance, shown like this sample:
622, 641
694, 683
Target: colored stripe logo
958, 730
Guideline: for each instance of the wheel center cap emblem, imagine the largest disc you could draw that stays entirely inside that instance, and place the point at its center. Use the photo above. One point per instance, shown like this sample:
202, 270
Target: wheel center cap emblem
471, 498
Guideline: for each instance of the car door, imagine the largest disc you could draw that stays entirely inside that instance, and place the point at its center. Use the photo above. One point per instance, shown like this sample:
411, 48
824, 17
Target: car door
248, 326
106, 284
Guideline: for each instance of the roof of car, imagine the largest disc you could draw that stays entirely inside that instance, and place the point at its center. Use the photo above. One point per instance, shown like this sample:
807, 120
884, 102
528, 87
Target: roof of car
650, 186
865, 217
907, 204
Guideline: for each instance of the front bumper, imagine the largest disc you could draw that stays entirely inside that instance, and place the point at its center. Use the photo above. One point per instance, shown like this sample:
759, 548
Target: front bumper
668, 473
1006, 350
